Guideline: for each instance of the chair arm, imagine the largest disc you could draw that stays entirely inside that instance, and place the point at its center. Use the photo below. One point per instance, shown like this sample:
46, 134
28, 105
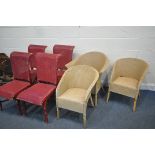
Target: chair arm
62, 87
142, 78
113, 74
90, 88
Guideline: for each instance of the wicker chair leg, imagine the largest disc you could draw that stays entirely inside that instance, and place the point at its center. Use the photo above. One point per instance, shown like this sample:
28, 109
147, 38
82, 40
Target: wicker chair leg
58, 113
134, 105
96, 99
84, 120
91, 99
108, 95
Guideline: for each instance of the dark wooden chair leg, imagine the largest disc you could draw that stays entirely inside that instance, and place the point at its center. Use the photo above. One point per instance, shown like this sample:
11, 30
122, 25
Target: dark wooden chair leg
45, 112
24, 108
19, 107
1, 106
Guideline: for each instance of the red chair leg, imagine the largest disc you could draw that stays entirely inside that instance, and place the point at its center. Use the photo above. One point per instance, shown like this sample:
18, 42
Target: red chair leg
1, 106
45, 112
19, 107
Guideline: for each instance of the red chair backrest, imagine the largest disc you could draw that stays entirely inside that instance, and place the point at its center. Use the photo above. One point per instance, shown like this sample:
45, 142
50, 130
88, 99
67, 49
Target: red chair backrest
46, 67
20, 63
35, 49
66, 51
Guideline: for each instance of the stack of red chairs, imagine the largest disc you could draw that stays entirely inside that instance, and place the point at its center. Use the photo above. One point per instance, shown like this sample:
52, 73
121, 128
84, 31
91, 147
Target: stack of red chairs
65, 52
46, 69
20, 63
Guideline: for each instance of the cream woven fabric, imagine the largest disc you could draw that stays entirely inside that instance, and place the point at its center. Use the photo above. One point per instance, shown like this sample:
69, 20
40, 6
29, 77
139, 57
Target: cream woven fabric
127, 76
74, 88
98, 60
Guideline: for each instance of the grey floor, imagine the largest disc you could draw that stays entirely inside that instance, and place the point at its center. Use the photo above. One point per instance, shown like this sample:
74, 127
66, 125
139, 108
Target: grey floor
117, 114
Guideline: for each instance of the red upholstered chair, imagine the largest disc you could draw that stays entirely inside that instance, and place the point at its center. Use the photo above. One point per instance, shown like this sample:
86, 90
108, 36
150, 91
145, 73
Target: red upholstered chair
39, 93
20, 63
35, 49
66, 53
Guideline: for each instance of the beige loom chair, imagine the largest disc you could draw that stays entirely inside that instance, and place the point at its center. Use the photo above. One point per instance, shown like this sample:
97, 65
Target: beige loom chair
98, 60
74, 89
126, 78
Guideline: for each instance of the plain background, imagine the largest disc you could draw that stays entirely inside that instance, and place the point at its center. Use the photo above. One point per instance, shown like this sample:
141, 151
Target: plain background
114, 41
75, 13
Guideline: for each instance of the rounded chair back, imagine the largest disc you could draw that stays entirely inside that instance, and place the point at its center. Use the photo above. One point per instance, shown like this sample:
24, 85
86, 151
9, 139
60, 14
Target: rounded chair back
130, 67
94, 59
80, 76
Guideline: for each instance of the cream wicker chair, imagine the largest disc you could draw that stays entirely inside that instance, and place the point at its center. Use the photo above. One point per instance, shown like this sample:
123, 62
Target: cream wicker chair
98, 60
74, 89
126, 78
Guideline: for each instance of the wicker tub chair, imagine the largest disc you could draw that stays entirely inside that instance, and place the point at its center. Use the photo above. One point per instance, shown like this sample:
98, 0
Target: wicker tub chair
74, 89
98, 60
126, 78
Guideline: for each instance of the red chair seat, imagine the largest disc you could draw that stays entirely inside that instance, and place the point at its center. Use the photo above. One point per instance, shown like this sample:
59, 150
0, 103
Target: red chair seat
13, 88
37, 93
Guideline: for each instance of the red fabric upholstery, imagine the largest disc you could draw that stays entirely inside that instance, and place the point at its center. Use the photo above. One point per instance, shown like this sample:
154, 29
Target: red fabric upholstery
20, 63
59, 57
35, 49
13, 88
59, 70
37, 93
66, 52
46, 72
46, 67
60, 74
21, 71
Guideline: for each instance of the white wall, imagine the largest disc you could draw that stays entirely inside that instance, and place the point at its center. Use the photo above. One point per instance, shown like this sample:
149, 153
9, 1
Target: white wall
115, 42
